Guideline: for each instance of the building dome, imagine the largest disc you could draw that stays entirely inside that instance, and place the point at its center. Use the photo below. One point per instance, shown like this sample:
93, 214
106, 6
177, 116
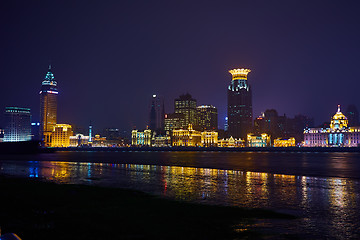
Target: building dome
339, 120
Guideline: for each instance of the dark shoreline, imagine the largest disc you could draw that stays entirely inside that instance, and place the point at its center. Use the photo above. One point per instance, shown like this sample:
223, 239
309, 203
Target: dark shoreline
209, 149
33, 147
34, 209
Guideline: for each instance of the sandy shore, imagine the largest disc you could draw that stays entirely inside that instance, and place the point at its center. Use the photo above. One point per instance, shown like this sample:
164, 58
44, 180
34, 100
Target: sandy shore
41, 210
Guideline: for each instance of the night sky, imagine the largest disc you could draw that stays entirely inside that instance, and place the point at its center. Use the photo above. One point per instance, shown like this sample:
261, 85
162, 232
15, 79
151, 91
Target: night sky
109, 57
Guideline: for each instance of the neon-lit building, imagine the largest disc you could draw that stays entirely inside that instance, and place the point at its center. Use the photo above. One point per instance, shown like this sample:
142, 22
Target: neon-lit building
186, 138
239, 104
339, 134
262, 140
139, 139
279, 142
60, 136
48, 107
17, 124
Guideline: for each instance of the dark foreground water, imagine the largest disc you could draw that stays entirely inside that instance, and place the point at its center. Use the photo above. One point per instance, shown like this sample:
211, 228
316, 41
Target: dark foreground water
323, 189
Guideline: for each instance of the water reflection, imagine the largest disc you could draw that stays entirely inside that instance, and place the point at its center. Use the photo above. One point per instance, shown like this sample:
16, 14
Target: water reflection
327, 206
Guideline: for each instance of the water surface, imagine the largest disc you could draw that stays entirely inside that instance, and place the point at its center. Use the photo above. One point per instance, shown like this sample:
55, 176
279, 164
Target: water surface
324, 192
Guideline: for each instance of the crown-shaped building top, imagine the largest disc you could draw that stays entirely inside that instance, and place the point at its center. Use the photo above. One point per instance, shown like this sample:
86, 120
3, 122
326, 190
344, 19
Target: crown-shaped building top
49, 78
240, 73
338, 121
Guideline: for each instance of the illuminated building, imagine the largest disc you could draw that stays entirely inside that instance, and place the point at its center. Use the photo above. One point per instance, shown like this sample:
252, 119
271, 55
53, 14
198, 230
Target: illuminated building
17, 124
226, 125
339, 134
231, 142
206, 118
239, 104
79, 140
284, 142
90, 133
99, 141
209, 139
157, 114
48, 107
262, 140
60, 136
186, 138
186, 105
161, 141
174, 121
139, 139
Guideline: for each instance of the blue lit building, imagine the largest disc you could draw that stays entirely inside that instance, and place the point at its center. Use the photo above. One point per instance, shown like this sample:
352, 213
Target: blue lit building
17, 124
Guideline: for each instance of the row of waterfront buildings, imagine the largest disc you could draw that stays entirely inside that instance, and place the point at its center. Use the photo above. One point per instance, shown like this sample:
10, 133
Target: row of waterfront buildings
189, 125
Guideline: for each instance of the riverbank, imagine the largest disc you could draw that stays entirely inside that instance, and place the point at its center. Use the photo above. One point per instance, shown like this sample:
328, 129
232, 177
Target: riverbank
42, 210
206, 149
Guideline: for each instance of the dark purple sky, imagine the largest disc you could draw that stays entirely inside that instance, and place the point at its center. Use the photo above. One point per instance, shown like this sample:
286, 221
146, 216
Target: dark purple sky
109, 57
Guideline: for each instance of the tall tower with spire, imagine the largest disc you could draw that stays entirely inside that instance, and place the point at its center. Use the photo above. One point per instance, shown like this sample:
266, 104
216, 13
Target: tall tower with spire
239, 104
48, 106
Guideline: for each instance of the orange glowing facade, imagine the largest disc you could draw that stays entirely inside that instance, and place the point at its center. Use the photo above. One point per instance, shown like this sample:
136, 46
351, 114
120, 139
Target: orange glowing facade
48, 107
284, 142
60, 136
186, 138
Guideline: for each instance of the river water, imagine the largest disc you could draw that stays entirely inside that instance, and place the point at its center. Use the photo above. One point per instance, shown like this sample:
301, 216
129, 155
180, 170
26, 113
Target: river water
322, 189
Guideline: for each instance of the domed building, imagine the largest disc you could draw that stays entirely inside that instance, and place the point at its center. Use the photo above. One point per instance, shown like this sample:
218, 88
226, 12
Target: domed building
338, 135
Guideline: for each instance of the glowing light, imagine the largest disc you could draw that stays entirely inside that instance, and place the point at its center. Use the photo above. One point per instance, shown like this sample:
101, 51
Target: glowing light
154, 96
240, 73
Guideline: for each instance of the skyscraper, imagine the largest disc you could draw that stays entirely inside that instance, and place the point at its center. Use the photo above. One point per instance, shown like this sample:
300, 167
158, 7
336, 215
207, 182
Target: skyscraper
186, 105
239, 104
48, 107
17, 124
157, 114
206, 117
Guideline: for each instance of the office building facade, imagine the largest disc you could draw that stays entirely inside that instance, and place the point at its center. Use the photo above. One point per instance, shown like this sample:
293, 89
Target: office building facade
17, 124
186, 105
206, 118
157, 114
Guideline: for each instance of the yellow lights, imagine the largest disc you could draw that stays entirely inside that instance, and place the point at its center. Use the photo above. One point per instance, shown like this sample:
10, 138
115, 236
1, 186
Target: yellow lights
186, 138
240, 73
338, 121
258, 141
284, 142
141, 138
60, 136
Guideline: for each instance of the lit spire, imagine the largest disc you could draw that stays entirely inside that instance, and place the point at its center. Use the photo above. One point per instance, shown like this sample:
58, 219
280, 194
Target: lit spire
338, 108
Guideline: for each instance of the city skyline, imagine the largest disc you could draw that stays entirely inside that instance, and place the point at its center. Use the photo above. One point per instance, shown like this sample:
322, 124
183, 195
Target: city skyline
299, 66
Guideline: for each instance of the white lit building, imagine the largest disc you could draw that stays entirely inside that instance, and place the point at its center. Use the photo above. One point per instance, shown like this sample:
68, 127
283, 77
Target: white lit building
339, 134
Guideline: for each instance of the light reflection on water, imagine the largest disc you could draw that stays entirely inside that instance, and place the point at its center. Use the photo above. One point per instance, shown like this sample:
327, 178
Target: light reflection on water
328, 207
